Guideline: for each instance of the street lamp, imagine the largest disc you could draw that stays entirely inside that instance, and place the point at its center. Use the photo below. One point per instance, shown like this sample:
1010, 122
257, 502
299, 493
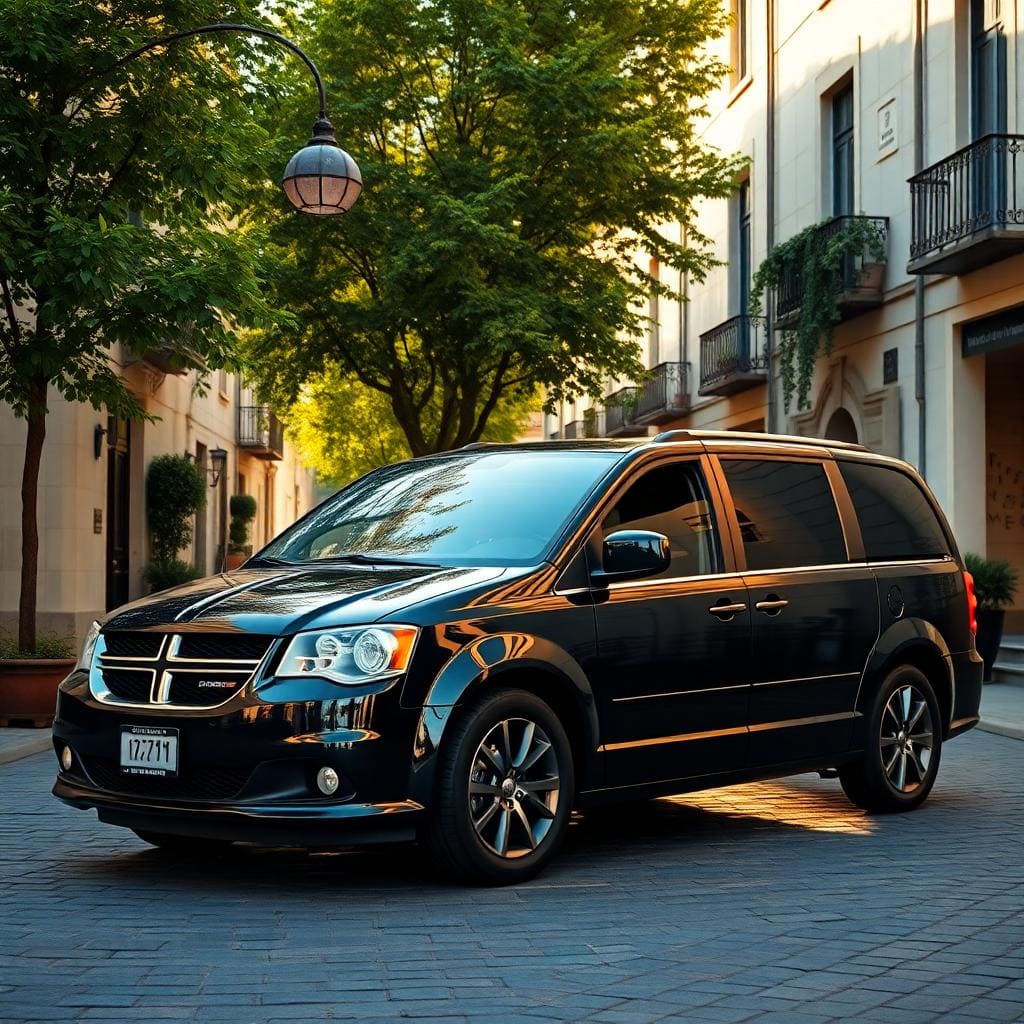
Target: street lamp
321, 179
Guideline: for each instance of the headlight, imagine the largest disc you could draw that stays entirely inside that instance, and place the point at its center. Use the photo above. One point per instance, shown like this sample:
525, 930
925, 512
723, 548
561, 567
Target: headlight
88, 646
349, 654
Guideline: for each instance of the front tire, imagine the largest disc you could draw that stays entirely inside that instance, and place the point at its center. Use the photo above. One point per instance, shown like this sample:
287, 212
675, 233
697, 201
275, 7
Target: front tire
902, 747
505, 791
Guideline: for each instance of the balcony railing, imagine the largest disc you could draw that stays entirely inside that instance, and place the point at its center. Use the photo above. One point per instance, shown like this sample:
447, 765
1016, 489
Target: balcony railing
968, 210
619, 409
663, 396
861, 275
574, 429
260, 432
733, 356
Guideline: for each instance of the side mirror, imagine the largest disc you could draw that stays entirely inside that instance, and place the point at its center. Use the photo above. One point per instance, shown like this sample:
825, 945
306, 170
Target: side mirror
631, 555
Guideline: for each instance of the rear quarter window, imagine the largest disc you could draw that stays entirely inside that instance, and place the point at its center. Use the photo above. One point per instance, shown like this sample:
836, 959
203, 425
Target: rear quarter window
897, 520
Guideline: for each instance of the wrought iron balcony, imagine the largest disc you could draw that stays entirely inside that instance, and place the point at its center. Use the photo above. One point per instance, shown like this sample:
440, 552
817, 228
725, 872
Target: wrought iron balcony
260, 432
862, 276
733, 356
968, 210
574, 429
619, 412
663, 396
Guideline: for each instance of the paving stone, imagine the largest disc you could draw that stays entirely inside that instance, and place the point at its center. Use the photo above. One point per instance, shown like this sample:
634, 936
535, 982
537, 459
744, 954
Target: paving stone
776, 902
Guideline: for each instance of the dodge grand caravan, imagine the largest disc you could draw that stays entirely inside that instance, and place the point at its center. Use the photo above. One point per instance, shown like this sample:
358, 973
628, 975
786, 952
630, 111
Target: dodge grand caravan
464, 647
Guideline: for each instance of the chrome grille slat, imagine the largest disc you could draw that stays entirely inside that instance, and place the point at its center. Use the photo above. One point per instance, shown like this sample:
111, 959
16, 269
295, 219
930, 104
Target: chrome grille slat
172, 679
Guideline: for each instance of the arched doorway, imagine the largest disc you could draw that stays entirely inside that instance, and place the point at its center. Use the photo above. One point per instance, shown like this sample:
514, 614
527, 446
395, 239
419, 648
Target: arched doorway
841, 427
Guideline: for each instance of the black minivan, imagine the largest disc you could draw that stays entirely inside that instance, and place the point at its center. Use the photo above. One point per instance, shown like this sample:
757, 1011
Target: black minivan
464, 647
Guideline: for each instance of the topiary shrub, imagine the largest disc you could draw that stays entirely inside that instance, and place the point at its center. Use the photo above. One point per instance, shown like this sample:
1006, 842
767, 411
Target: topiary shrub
175, 492
164, 575
243, 512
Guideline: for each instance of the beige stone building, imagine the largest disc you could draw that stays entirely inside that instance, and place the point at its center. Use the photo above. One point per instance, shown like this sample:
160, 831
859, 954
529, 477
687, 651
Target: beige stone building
910, 112
92, 522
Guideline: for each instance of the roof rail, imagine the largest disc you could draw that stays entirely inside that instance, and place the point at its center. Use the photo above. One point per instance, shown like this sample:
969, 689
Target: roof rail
668, 436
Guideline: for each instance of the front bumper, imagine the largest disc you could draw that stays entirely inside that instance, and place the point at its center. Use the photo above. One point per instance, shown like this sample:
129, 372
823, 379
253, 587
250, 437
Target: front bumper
247, 769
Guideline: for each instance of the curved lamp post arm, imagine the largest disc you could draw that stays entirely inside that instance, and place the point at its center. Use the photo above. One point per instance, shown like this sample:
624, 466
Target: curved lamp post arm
221, 28
321, 179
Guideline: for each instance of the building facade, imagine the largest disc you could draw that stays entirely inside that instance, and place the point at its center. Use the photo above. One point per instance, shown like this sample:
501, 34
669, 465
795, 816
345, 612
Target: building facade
910, 114
94, 543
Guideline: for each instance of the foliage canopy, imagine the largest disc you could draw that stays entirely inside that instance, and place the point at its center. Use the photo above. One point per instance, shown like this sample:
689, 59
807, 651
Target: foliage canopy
515, 157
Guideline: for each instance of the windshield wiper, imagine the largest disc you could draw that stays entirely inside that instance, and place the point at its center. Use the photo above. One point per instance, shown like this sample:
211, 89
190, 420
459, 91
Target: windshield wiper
358, 558
259, 561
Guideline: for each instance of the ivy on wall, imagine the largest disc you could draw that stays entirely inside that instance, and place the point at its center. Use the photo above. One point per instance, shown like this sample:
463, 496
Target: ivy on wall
815, 263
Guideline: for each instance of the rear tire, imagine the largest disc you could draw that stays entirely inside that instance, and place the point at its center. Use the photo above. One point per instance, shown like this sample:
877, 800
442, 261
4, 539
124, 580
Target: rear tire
183, 846
504, 792
902, 746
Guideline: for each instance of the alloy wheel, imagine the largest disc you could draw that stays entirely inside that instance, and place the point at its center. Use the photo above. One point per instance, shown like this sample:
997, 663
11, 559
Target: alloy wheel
514, 787
906, 739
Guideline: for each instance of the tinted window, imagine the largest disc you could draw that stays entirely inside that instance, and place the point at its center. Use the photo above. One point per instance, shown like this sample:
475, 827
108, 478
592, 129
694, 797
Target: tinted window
670, 500
896, 519
786, 513
486, 508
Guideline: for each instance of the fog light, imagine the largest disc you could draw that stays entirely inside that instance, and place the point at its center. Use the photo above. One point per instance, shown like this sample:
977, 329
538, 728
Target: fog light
66, 759
327, 780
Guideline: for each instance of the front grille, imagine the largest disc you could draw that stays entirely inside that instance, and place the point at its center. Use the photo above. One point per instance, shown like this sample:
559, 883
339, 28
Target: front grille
201, 784
196, 670
133, 645
224, 646
204, 689
131, 684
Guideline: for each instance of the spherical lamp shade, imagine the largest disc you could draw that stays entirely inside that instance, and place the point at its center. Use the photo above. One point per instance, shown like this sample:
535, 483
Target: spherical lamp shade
322, 179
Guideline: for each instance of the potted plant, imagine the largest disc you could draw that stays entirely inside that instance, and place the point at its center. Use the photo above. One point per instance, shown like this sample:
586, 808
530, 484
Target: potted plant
29, 679
995, 584
243, 512
175, 492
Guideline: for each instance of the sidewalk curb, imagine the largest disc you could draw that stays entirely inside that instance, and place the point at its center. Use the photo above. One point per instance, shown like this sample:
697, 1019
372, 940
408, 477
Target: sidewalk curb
1014, 732
27, 749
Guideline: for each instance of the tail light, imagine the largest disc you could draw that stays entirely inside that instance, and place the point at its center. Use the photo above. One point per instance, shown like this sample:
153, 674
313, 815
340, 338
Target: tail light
972, 603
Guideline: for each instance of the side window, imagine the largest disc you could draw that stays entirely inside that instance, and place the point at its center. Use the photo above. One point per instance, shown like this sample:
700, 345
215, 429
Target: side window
896, 519
671, 500
787, 515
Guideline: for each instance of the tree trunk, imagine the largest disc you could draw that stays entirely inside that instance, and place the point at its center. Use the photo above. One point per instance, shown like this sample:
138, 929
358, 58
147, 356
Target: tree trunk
29, 519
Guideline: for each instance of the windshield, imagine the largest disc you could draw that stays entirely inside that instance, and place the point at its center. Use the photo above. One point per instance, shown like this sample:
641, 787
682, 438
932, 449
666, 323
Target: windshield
485, 508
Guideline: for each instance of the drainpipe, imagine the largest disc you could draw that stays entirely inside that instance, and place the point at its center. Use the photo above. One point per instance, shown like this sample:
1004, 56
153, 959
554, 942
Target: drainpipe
684, 308
769, 205
921, 15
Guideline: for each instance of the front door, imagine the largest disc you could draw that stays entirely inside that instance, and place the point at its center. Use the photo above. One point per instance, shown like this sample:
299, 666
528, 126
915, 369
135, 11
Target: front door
814, 612
118, 504
673, 667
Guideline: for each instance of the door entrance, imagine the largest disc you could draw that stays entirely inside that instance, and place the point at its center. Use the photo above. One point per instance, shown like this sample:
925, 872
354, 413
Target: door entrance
118, 508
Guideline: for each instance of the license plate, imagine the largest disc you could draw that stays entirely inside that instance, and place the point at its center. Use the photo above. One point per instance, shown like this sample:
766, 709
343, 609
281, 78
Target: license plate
149, 750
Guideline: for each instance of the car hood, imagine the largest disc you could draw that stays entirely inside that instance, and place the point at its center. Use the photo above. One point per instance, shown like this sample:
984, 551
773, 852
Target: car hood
283, 600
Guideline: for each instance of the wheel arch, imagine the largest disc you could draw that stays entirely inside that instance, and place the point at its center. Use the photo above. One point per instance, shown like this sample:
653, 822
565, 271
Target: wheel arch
529, 663
918, 643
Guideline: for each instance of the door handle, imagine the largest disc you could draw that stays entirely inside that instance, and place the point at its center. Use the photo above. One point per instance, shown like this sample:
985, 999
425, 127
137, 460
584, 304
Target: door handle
727, 611
772, 604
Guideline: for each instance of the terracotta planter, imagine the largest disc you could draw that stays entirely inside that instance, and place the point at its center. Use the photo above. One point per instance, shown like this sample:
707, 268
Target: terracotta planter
233, 559
28, 689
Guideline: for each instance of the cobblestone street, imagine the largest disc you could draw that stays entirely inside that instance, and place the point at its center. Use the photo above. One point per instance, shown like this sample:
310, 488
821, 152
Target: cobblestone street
770, 902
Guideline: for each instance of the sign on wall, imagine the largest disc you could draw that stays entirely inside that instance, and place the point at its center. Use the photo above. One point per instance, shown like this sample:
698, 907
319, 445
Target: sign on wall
990, 333
888, 129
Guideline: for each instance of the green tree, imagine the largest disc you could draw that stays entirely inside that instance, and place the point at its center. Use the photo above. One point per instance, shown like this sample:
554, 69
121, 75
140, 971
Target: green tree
516, 155
343, 429
92, 154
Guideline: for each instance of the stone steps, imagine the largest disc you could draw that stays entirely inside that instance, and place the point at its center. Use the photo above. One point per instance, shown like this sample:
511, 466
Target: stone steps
1009, 666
